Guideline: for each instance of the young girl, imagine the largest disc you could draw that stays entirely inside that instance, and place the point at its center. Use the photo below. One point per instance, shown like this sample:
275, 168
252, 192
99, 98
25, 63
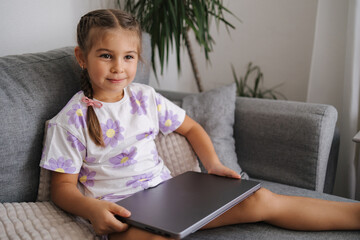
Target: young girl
104, 139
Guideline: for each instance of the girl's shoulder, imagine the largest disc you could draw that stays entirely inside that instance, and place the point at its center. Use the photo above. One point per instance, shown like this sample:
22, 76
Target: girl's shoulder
140, 87
74, 109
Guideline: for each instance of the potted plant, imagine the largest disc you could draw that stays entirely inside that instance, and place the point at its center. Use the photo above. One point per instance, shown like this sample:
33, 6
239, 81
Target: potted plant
169, 22
244, 89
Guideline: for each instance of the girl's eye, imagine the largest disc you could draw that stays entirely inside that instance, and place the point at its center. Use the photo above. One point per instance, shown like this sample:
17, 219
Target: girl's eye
128, 57
107, 56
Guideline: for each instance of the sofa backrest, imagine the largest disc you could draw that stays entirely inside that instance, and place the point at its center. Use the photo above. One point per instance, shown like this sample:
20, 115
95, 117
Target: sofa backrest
33, 89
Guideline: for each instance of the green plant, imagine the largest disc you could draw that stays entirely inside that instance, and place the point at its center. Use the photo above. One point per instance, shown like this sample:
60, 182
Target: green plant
245, 90
169, 21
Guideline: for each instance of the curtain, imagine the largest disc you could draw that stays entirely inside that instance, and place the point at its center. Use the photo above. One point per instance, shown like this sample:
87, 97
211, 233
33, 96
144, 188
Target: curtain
348, 174
355, 77
335, 79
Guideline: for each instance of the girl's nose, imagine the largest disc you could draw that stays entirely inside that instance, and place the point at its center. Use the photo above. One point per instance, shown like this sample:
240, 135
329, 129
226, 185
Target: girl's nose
117, 68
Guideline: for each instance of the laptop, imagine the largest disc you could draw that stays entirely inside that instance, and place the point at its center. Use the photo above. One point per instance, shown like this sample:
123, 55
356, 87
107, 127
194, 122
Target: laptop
185, 203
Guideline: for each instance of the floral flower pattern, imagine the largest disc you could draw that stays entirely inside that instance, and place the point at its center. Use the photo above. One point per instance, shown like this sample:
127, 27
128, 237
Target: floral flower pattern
86, 177
126, 145
89, 159
125, 158
165, 175
77, 116
71, 100
138, 103
158, 103
112, 132
51, 125
155, 154
149, 134
61, 165
140, 181
112, 197
169, 122
75, 143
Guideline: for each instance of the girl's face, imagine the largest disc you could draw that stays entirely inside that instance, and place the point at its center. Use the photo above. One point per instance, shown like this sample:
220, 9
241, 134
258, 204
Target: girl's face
112, 62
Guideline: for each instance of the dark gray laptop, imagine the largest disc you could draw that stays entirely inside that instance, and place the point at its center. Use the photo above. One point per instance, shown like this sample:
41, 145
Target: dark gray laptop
185, 203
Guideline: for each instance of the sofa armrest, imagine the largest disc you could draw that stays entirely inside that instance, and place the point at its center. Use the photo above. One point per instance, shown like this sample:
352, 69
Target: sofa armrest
283, 141
332, 163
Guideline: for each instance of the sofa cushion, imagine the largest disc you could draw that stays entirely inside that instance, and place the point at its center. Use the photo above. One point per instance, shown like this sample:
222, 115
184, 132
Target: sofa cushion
41, 220
177, 153
214, 110
34, 88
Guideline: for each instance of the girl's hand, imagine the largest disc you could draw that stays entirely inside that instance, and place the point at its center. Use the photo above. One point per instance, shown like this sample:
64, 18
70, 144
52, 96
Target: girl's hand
103, 220
221, 170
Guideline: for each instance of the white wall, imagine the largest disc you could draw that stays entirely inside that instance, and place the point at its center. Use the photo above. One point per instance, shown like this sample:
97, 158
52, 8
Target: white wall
277, 35
328, 60
41, 25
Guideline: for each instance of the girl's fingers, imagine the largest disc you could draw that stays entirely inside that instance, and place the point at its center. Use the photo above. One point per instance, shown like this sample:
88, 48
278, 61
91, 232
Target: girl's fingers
233, 174
116, 225
226, 172
119, 210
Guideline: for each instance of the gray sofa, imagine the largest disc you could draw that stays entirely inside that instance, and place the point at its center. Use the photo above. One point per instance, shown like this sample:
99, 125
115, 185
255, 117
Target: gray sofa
285, 145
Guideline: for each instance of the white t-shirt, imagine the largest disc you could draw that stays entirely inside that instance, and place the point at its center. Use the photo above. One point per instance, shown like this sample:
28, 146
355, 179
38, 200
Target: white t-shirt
129, 162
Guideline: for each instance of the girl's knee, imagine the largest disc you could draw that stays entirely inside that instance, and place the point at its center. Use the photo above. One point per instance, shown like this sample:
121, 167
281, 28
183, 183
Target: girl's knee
262, 203
263, 196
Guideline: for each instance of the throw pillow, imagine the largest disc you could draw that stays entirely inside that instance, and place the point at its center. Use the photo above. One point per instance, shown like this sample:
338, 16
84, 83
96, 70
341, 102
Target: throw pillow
214, 110
177, 153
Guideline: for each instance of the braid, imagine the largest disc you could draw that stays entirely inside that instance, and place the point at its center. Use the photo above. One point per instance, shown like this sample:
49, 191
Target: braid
85, 84
92, 121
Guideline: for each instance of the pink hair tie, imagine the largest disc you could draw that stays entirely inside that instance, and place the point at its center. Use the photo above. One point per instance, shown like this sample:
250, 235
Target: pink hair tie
90, 102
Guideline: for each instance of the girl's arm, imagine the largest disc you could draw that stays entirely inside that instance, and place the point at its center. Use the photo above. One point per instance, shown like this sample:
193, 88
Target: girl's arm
65, 194
202, 145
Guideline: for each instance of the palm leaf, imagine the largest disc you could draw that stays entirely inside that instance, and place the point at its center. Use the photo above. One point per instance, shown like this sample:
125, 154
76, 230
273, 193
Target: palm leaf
245, 90
167, 21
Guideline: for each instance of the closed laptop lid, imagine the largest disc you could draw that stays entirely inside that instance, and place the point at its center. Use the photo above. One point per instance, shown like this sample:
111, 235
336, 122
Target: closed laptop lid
185, 203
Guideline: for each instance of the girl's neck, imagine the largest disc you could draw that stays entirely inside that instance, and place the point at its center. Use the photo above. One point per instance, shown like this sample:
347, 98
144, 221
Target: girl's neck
109, 97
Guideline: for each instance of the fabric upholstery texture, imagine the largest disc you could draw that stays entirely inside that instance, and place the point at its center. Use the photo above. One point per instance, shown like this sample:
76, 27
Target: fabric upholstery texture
214, 110
34, 87
40, 220
177, 153
297, 152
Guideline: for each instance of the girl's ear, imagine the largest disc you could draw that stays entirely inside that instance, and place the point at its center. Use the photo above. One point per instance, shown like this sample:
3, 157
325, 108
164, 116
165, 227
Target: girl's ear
80, 57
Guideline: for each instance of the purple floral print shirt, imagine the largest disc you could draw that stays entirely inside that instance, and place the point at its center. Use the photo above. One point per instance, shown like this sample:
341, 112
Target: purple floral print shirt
129, 162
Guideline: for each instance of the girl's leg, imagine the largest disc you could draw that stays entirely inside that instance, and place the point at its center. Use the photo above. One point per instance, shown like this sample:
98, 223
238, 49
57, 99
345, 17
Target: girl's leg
291, 212
136, 234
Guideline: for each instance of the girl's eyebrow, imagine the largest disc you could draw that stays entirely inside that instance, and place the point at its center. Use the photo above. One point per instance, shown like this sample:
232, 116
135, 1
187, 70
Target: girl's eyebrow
103, 50
108, 50
135, 52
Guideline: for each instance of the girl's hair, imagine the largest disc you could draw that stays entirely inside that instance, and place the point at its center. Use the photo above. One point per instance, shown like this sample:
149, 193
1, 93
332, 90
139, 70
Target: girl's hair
104, 19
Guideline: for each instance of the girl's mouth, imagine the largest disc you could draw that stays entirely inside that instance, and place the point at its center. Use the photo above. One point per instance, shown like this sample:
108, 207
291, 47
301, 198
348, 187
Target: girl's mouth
116, 80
